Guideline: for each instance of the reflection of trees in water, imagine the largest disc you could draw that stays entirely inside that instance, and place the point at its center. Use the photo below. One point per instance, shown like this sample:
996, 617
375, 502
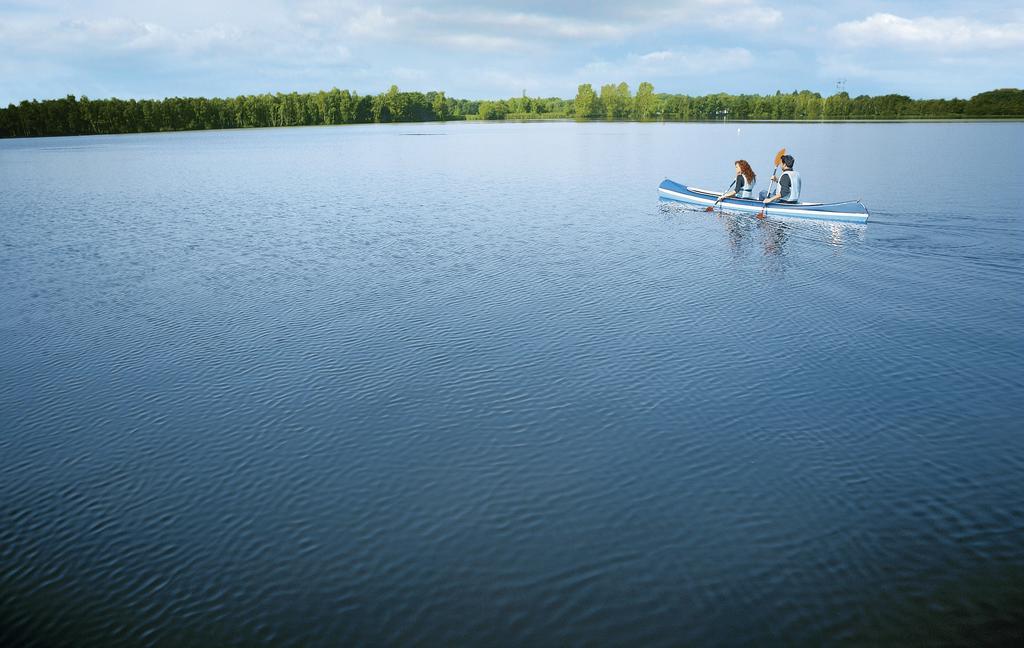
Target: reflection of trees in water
737, 230
742, 229
836, 233
773, 237
840, 233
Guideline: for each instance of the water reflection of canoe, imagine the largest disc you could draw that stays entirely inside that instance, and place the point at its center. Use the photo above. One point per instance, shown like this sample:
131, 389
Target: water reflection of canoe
851, 211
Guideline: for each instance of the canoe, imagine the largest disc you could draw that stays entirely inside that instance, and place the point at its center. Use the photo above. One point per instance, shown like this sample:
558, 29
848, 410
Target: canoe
850, 211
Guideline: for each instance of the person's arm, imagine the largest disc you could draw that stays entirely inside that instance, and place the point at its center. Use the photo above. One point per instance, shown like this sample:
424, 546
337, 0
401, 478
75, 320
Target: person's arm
769, 199
783, 188
730, 194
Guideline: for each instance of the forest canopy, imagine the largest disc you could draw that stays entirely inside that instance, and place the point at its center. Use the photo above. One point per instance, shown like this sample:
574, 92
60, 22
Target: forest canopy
83, 116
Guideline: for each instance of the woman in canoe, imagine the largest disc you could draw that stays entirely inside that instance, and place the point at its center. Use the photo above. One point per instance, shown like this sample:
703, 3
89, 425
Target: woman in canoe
743, 187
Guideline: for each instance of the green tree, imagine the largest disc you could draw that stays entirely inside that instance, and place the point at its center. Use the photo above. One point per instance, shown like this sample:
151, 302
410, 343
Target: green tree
1005, 102
645, 104
439, 106
493, 109
615, 100
586, 103
837, 106
380, 108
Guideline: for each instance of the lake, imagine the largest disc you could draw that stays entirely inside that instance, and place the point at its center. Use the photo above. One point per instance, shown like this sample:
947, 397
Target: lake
473, 383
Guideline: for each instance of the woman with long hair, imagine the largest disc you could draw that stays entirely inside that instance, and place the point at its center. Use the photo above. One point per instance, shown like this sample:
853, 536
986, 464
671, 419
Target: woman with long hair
744, 185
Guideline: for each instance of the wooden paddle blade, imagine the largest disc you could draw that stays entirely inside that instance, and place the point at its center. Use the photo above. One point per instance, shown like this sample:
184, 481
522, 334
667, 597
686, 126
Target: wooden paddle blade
778, 156
760, 215
709, 209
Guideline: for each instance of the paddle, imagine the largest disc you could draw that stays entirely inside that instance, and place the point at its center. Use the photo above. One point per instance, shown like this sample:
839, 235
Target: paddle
778, 161
711, 208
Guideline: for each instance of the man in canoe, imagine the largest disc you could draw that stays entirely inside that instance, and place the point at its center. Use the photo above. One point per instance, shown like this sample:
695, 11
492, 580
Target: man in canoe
789, 183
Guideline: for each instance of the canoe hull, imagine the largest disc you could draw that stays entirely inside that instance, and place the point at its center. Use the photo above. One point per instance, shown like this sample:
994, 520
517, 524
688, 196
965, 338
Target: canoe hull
851, 211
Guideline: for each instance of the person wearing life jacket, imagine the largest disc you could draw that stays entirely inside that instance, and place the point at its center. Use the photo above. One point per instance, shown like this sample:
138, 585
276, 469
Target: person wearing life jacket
789, 183
743, 187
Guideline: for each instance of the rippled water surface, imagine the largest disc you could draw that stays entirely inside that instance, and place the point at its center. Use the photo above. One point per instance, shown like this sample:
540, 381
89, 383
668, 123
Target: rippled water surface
474, 384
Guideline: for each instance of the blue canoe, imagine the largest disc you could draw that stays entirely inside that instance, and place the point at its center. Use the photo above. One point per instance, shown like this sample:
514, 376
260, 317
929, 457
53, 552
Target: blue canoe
851, 211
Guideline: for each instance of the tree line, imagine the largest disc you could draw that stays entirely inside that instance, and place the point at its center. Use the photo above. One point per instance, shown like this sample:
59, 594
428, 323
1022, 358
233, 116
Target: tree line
615, 102
84, 116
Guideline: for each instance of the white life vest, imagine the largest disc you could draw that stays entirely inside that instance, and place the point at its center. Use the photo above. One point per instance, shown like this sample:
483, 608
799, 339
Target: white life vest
794, 186
747, 191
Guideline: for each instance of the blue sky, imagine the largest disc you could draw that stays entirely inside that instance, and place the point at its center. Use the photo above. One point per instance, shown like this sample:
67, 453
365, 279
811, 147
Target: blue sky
491, 49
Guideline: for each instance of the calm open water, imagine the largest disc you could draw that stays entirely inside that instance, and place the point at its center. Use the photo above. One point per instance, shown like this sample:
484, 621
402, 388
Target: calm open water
474, 384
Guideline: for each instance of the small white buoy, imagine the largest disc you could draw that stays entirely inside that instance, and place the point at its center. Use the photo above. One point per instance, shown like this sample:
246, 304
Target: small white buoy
737, 131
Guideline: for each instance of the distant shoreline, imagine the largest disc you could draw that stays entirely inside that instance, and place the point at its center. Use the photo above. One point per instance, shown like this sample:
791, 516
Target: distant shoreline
613, 103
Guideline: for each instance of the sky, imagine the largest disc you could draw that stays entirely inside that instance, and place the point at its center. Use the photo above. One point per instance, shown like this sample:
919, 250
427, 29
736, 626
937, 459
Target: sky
490, 49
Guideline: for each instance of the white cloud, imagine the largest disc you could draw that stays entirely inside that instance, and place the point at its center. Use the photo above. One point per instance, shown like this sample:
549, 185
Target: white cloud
494, 28
667, 64
481, 42
370, 22
110, 35
402, 73
535, 24
718, 14
928, 33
